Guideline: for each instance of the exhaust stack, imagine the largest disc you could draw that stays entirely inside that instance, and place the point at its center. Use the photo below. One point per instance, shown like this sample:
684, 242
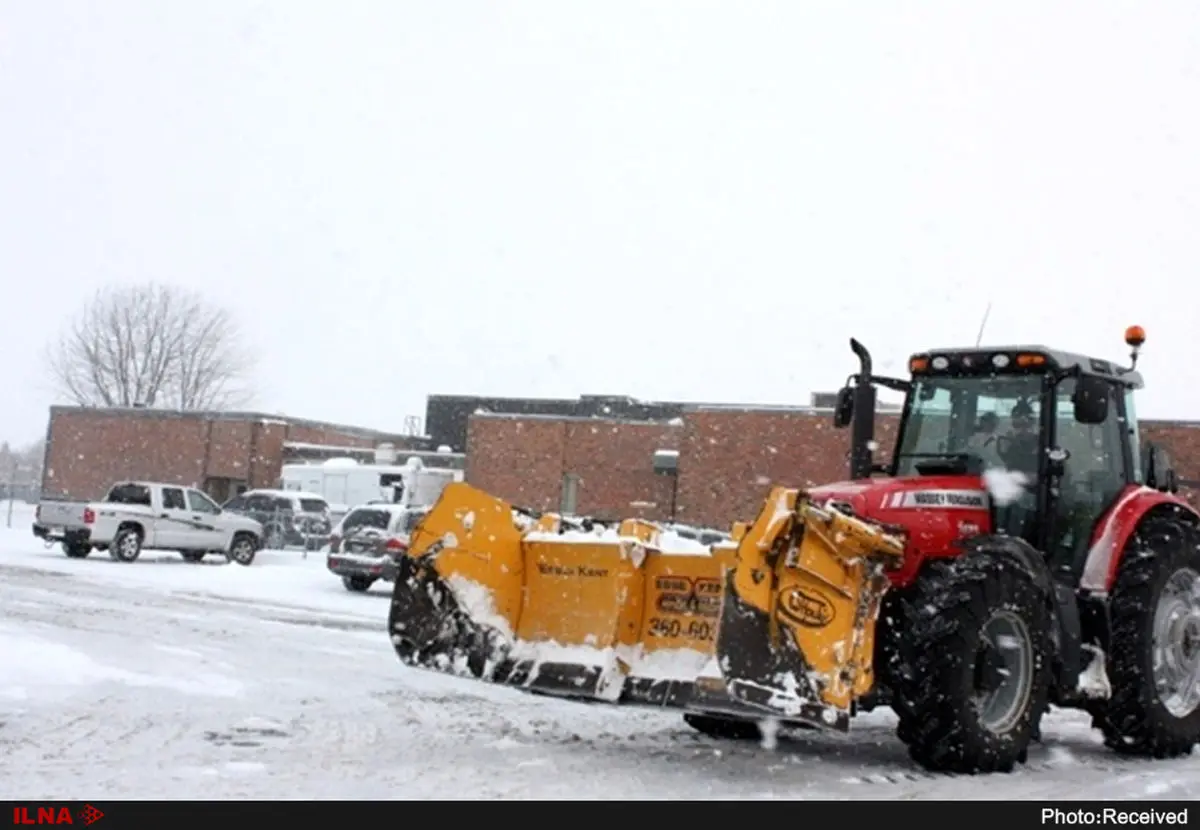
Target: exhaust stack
862, 424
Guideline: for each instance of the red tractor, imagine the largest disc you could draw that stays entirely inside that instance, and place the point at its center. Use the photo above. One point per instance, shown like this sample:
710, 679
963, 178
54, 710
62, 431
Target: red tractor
1050, 558
1021, 548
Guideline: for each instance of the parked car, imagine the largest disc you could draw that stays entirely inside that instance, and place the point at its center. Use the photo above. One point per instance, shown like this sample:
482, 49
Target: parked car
145, 514
291, 518
367, 541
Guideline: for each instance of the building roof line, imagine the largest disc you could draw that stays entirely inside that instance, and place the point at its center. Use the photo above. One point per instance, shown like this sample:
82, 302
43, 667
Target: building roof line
236, 416
586, 419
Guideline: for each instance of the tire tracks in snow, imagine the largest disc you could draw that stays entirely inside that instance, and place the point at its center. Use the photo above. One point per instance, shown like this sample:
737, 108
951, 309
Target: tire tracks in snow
328, 711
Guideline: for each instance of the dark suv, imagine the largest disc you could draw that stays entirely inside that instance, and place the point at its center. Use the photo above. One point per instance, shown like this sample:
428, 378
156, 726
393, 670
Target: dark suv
290, 518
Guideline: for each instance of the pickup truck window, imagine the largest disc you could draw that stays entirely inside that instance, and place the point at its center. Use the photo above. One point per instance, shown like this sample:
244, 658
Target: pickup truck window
202, 503
129, 494
173, 499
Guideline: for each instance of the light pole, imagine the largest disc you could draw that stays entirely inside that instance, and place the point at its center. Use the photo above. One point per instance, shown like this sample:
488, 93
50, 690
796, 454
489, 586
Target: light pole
12, 487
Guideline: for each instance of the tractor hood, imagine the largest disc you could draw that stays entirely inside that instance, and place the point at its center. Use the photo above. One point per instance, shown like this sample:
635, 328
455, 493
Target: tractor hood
936, 511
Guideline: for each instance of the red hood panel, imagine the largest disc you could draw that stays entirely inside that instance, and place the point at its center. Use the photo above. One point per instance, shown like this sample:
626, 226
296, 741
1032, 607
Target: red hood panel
937, 511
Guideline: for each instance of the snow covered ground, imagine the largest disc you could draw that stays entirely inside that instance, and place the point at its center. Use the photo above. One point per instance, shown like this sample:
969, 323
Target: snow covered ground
161, 679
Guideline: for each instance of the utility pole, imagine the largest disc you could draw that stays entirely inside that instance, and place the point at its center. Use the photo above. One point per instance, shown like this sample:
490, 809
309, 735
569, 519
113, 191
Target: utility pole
12, 488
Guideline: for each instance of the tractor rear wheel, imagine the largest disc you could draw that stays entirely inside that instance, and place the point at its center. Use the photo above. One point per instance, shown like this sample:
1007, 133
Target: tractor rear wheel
977, 643
1154, 667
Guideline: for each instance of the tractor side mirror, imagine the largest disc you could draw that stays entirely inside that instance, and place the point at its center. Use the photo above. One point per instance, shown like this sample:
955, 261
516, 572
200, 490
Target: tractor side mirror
1091, 399
1149, 465
1157, 471
843, 409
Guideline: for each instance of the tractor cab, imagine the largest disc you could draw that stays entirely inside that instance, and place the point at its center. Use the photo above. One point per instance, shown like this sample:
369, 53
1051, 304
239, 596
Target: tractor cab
1051, 435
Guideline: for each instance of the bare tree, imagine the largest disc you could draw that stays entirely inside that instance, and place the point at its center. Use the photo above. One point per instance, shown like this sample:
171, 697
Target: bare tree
151, 345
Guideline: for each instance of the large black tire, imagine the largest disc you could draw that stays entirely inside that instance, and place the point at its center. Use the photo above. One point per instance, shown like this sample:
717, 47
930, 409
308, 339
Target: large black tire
358, 584
725, 729
1138, 719
977, 634
892, 666
126, 545
76, 550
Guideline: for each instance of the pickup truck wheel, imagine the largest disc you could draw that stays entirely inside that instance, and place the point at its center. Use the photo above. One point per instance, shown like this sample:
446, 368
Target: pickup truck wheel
76, 550
192, 555
358, 584
243, 549
126, 545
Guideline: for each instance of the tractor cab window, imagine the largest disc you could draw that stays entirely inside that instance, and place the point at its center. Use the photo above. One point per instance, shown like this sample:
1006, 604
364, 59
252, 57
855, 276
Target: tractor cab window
1136, 473
1094, 472
964, 423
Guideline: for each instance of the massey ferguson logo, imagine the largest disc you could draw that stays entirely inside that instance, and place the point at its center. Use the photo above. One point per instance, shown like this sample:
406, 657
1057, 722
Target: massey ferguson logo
944, 499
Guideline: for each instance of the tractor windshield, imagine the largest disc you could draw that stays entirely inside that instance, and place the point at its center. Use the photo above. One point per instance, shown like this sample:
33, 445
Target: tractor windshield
959, 423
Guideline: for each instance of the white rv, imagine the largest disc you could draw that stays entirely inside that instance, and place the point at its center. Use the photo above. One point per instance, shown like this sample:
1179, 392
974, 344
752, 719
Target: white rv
346, 482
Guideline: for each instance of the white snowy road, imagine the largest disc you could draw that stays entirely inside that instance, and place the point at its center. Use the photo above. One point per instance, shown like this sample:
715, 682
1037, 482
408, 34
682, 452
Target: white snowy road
160, 679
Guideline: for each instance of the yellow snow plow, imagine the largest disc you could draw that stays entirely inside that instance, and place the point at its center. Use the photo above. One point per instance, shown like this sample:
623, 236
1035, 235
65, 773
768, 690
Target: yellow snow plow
778, 624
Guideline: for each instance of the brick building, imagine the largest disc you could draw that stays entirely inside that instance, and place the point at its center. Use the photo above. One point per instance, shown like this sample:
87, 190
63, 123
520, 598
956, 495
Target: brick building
728, 458
446, 416
89, 448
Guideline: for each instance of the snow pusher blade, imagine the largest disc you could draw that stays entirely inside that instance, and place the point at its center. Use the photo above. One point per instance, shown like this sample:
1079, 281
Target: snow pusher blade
488, 592
797, 629
778, 624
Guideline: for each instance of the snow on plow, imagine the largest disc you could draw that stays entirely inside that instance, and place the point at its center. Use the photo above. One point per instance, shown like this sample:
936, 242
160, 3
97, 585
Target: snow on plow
779, 623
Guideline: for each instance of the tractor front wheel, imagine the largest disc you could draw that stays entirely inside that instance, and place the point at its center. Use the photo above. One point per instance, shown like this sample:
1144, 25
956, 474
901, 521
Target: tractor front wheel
977, 643
1154, 667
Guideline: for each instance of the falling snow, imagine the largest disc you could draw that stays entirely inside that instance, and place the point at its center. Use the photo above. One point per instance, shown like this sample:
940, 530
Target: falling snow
162, 679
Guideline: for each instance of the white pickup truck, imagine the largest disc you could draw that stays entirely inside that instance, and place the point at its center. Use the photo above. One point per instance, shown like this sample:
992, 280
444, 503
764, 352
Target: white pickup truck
141, 514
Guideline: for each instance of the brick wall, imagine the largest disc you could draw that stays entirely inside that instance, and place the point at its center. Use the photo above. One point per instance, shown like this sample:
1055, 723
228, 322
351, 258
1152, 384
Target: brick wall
1181, 440
517, 459
524, 460
728, 459
89, 449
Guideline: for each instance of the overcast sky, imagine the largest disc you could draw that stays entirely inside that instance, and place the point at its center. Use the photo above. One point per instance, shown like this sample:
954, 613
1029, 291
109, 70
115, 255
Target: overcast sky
684, 200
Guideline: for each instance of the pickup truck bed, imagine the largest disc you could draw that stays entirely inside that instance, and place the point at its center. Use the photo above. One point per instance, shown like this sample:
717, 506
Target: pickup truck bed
63, 521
